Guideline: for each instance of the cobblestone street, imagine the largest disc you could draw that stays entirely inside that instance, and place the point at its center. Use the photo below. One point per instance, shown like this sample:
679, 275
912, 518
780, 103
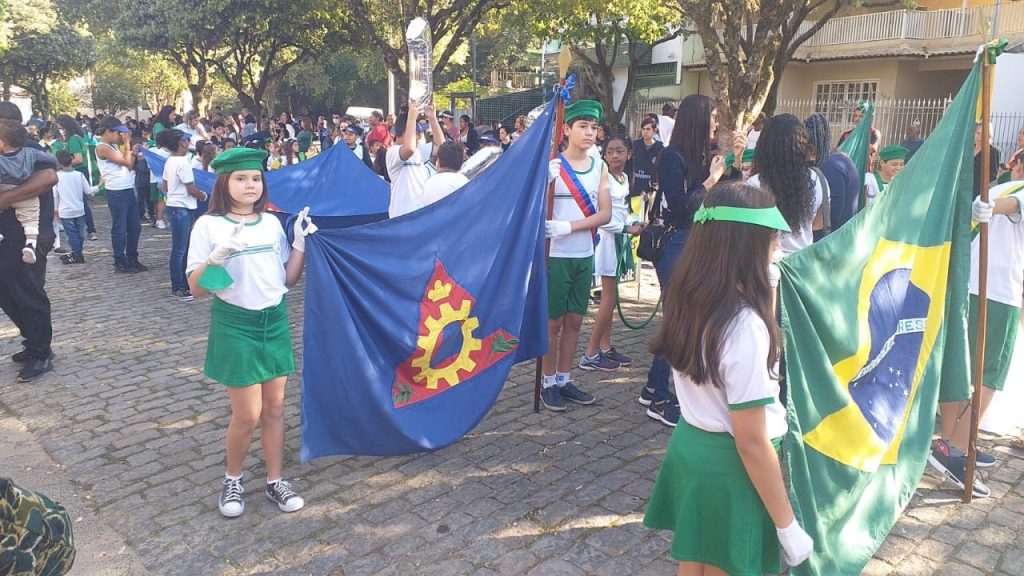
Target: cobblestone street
137, 433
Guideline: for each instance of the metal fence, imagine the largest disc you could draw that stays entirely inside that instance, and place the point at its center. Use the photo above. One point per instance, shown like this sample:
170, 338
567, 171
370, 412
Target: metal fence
639, 108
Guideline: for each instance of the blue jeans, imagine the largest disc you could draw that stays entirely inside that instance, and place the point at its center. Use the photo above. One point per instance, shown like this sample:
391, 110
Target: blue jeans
124, 226
75, 229
180, 220
659, 375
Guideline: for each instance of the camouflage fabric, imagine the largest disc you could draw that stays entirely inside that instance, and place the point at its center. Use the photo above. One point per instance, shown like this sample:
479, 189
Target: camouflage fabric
35, 533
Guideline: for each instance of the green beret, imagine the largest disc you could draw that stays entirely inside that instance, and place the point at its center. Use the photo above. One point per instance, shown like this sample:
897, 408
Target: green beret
584, 109
239, 158
748, 157
893, 153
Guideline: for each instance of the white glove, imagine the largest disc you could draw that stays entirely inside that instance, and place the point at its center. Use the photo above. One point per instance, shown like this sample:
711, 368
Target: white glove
981, 211
303, 227
797, 545
228, 247
557, 228
554, 169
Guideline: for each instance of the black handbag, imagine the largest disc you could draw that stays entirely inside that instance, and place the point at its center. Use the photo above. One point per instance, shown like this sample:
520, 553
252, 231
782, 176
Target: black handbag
654, 235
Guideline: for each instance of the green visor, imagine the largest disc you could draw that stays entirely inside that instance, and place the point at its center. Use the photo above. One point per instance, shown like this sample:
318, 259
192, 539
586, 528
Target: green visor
767, 217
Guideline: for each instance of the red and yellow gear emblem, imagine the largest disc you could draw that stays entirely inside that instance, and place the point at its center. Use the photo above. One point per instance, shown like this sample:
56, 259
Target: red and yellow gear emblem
444, 304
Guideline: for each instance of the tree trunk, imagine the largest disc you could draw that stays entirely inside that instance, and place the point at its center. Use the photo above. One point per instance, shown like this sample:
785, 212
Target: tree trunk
7, 92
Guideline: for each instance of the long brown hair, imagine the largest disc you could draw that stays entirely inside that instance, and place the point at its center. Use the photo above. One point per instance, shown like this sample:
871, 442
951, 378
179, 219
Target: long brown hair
220, 200
723, 269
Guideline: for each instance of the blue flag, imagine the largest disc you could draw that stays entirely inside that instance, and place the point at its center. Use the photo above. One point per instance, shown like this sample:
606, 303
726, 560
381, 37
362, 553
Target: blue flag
412, 324
333, 183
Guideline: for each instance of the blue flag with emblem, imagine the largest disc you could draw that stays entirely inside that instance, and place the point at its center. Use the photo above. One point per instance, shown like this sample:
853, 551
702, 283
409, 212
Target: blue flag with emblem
872, 315
412, 324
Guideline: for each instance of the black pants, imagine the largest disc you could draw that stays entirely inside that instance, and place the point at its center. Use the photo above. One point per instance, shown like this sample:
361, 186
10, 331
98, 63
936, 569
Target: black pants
23, 297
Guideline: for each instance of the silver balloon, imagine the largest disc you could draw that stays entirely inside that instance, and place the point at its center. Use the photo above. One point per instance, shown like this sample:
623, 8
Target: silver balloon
421, 62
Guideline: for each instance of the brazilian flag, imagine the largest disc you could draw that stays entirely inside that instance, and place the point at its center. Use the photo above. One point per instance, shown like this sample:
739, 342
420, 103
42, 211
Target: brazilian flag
858, 147
870, 315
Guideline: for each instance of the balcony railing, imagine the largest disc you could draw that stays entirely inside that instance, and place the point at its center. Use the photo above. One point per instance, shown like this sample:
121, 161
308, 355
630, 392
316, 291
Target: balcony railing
514, 79
993, 20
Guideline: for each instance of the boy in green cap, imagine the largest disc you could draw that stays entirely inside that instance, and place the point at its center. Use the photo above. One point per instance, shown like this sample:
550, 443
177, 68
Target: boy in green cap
892, 158
582, 204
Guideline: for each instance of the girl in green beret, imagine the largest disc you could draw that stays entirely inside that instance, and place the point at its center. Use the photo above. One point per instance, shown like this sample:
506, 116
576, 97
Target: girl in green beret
891, 163
243, 258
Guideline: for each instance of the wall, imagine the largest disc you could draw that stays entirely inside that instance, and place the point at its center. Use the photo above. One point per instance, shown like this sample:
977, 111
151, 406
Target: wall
799, 77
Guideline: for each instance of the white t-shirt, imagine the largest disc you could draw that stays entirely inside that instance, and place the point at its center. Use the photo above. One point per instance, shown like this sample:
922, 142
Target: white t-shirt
579, 244
1006, 251
747, 383
408, 178
257, 272
178, 174
69, 193
665, 127
871, 190
442, 184
115, 176
794, 242
752, 137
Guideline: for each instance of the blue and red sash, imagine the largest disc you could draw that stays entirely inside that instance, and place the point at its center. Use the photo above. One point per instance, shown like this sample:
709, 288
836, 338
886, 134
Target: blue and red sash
578, 192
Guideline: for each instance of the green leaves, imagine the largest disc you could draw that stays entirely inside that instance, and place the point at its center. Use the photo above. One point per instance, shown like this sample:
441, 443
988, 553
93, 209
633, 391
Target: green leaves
502, 344
403, 394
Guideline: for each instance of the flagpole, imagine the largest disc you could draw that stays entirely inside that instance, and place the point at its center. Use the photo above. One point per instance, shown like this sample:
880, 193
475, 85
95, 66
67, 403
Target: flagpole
556, 139
979, 358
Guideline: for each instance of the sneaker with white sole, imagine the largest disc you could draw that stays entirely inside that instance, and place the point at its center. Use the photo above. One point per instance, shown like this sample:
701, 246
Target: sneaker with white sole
573, 394
551, 397
28, 254
231, 504
282, 494
616, 356
161, 225
949, 461
984, 459
598, 362
666, 412
646, 396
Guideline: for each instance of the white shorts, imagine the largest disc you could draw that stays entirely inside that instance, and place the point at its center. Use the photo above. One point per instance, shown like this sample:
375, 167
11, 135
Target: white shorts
606, 260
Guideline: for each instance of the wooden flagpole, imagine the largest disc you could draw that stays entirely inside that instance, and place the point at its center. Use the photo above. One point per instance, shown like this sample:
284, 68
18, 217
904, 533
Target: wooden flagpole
979, 358
564, 58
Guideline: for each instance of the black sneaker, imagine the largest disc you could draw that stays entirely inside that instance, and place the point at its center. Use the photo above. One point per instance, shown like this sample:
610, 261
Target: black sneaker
573, 394
282, 494
182, 296
93, 236
62, 250
666, 412
230, 503
25, 356
552, 399
124, 269
952, 463
984, 459
598, 362
646, 396
616, 356
137, 267
34, 369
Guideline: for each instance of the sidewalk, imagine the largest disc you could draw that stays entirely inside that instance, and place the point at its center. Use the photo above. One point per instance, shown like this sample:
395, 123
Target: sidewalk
129, 436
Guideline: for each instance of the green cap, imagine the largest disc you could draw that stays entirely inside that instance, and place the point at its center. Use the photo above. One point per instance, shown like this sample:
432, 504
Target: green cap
893, 153
767, 217
239, 158
583, 109
748, 157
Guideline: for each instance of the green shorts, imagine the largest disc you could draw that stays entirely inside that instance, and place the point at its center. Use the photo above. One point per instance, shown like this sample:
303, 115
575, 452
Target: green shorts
1000, 337
569, 282
155, 194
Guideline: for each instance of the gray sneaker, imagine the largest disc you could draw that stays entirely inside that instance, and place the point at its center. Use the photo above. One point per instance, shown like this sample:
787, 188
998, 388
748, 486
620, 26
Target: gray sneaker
231, 504
282, 494
616, 356
598, 362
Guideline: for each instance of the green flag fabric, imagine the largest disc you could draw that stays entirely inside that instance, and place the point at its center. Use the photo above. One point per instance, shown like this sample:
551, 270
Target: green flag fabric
872, 315
858, 147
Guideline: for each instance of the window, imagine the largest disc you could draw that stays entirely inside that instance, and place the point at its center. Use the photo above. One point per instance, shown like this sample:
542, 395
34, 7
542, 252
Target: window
836, 100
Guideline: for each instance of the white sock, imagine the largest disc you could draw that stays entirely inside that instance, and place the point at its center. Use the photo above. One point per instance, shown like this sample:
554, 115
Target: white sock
30, 243
275, 481
548, 381
603, 351
230, 477
562, 378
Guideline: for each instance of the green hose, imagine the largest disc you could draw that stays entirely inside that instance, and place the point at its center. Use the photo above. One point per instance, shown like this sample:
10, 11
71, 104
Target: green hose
618, 302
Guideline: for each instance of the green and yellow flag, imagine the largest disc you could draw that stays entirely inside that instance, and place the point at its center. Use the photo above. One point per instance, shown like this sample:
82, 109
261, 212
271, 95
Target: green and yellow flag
871, 314
858, 147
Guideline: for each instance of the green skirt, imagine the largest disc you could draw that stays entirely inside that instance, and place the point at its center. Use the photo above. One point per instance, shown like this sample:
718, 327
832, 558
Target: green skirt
704, 495
248, 347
